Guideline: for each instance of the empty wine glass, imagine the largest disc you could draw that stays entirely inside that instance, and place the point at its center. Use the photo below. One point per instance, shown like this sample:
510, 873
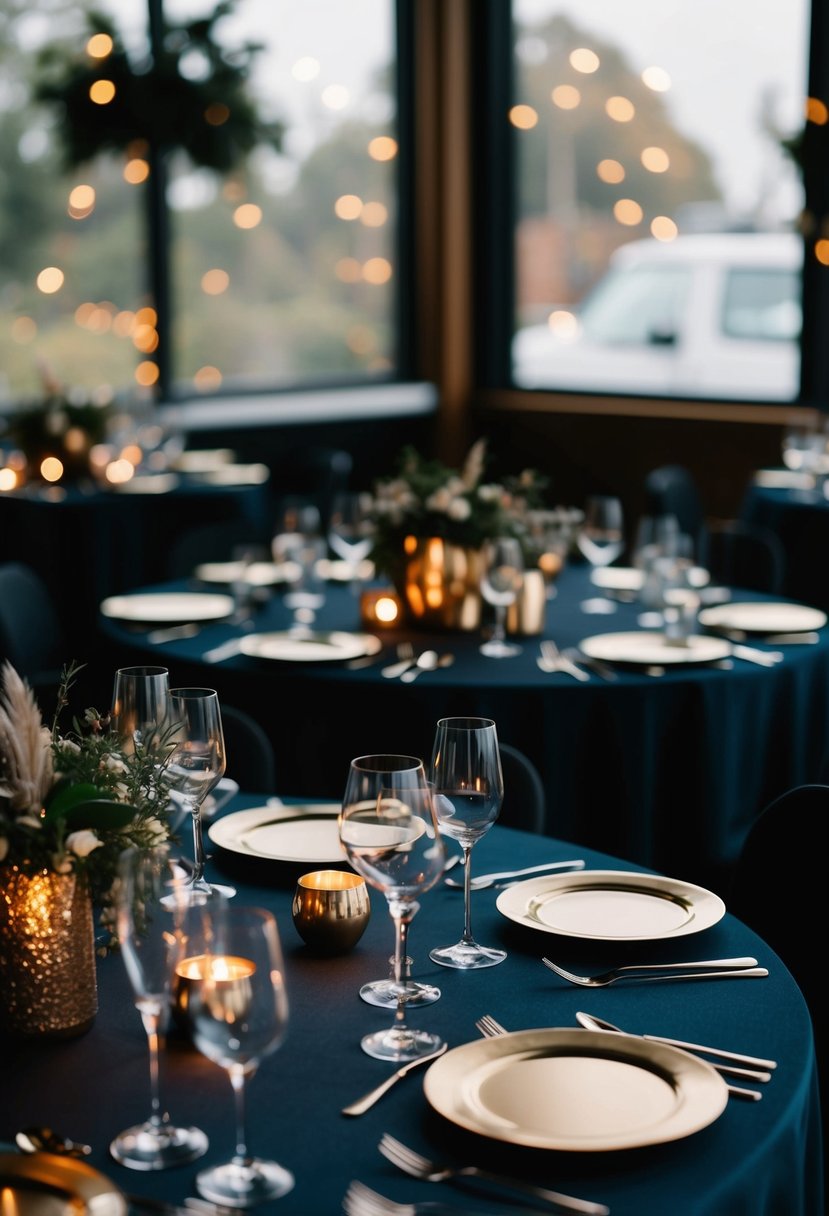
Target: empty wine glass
148, 915
195, 763
298, 545
351, 530
140, 706
238, 1015
601, 539
468, 792
501, 580
391, 837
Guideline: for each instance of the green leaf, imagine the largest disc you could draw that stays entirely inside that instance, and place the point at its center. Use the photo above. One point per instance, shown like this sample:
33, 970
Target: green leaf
100, 813
65, 796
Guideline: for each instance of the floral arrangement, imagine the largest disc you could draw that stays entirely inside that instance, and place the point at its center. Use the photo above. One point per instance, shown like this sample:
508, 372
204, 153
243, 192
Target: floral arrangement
428, 499
71, 801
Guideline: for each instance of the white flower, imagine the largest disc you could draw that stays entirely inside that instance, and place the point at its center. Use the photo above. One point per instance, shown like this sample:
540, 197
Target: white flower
156, 830
490, 493
30, 821
69, 745
121, 791
82, 842
439, 500
459, 509
4, 847
114, 764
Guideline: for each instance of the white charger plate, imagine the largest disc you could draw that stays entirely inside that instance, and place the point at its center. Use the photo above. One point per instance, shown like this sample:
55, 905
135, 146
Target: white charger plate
575, 1090
289, 647
155, 607
257, 574
307, 833
628, 578
650, 649
757, 617
611, 906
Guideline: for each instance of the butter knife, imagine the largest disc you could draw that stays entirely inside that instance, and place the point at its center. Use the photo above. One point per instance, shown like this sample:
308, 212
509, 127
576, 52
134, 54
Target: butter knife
488, 880
363, 1104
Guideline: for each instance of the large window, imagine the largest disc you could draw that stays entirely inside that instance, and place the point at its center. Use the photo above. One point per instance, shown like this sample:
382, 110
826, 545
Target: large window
173, 265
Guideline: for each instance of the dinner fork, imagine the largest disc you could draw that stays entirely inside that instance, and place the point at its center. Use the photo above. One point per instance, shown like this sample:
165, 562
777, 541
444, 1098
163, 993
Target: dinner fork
552, 660
727, 968
418, 1166
361, 1200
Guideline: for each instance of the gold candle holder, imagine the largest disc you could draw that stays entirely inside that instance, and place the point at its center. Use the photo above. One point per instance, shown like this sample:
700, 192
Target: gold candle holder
229, 986
331, 909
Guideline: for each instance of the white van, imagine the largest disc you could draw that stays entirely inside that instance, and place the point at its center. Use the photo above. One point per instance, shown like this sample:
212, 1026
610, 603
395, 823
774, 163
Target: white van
714, 316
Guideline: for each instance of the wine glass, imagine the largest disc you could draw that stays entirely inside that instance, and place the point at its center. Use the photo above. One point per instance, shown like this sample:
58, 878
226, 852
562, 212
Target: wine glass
501, 580
601, 539
391, 837
469, 790
238, 1015
195, 764
351, 530
298, 545
148, 916
140, 706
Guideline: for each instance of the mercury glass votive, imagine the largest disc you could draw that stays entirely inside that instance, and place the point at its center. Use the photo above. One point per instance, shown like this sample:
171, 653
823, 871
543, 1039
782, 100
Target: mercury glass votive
229, 984
331, 909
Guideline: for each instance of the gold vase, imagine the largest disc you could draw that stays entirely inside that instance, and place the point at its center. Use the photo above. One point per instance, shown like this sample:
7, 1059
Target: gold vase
48, 984
439, 584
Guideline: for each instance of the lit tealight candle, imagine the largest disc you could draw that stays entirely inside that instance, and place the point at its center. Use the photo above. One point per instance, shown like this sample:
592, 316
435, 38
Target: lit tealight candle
380, 608
222, 980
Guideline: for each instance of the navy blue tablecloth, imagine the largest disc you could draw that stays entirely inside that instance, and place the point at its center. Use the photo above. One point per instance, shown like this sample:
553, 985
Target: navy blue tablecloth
668, 772
757, 1159
800, 518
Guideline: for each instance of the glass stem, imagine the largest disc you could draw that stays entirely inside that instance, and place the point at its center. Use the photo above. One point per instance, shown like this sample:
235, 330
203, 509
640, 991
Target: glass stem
198, 844
150, 1020
499, 632
467, 939
402, 915
237, 1080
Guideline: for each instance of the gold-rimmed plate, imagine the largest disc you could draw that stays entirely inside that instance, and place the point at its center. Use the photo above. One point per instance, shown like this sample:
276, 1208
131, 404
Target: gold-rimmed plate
288, 647
611, 906
307, 833
168, 607
43, 1184
575, 1090
755, 616
644, 648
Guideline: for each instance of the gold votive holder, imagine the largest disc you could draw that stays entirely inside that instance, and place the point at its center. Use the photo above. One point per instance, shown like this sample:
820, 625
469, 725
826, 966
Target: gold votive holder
527, 615
331, 909
222, 978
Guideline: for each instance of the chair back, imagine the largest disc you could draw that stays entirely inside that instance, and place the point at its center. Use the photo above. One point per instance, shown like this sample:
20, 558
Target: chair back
525, 805
249, 752
671, 490
31, 632
742, 555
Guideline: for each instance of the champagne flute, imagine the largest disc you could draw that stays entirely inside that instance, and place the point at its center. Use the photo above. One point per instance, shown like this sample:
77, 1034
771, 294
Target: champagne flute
501, 580
148, 916
469, 789
601, 539
238, 1014
140, 706
391, 837
351, 528
195, 764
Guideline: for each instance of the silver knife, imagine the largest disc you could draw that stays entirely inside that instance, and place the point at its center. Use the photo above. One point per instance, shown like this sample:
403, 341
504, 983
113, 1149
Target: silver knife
362, 1104
487, 880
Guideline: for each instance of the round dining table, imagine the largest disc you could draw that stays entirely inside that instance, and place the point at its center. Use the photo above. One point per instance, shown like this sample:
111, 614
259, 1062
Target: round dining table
746, 1157
798, 514
666, 770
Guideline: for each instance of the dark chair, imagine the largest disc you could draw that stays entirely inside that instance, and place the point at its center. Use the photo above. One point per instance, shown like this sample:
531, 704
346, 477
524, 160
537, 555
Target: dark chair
316, 474
216, 542
524, 800
31, 631
778, 889
249, 752
741, 555
671, 490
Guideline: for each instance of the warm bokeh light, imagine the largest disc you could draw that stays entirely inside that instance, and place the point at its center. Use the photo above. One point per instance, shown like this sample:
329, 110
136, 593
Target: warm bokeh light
816, 111
99, 320
382, 147
8, 479
565, 96
99, 46
360, 339
75, 440
23, 330
214, 282
584, 60
664, 228
133, 453
620, 109
81, 202
348, 270
563, 324
249, 215
335, 97
348, 207
656, 160
627, 211
822, 251
137, 149
146, 316
374, 215
657, 79
123, 323
233, 191
83, 312
207, 378
377, 271
101, 92
610, 171
136, 171
523, 117
119, 472
51, 469
217, 114
145, 339
146, 373
386, 609
50, 280
305, 69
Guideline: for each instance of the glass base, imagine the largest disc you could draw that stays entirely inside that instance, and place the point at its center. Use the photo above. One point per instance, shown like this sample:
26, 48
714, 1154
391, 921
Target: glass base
384, 993
496, 648
158, 1146
651, 620
398, 1046
467, 956
196, 895
598, 606
241, 1185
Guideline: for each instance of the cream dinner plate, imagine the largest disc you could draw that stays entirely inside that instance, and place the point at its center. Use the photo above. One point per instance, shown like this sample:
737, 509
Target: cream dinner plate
628, 578
257, 574
307, 833
641, 647
42, 1184
760, 618
611, 906
152, 483
315, 648
575, 1090
784, 479
168, 607
204, 460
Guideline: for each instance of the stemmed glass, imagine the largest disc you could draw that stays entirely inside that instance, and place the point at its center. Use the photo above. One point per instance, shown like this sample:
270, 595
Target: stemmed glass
351, 530
195, 764
140, 706
299, 545
148, 912
391, 837
601, 539
238, 1015
469, 789
501, 580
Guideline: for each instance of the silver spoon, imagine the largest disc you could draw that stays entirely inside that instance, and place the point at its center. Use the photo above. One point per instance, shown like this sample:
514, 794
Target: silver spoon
45, 1140
428, 661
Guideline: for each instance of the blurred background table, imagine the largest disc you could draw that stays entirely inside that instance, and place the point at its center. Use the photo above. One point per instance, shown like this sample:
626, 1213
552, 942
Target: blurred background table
799, 517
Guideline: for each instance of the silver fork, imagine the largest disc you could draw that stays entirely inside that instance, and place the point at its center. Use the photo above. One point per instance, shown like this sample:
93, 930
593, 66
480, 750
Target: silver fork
361, 1200
553, 660
726, 968
418, 1166
405, 657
